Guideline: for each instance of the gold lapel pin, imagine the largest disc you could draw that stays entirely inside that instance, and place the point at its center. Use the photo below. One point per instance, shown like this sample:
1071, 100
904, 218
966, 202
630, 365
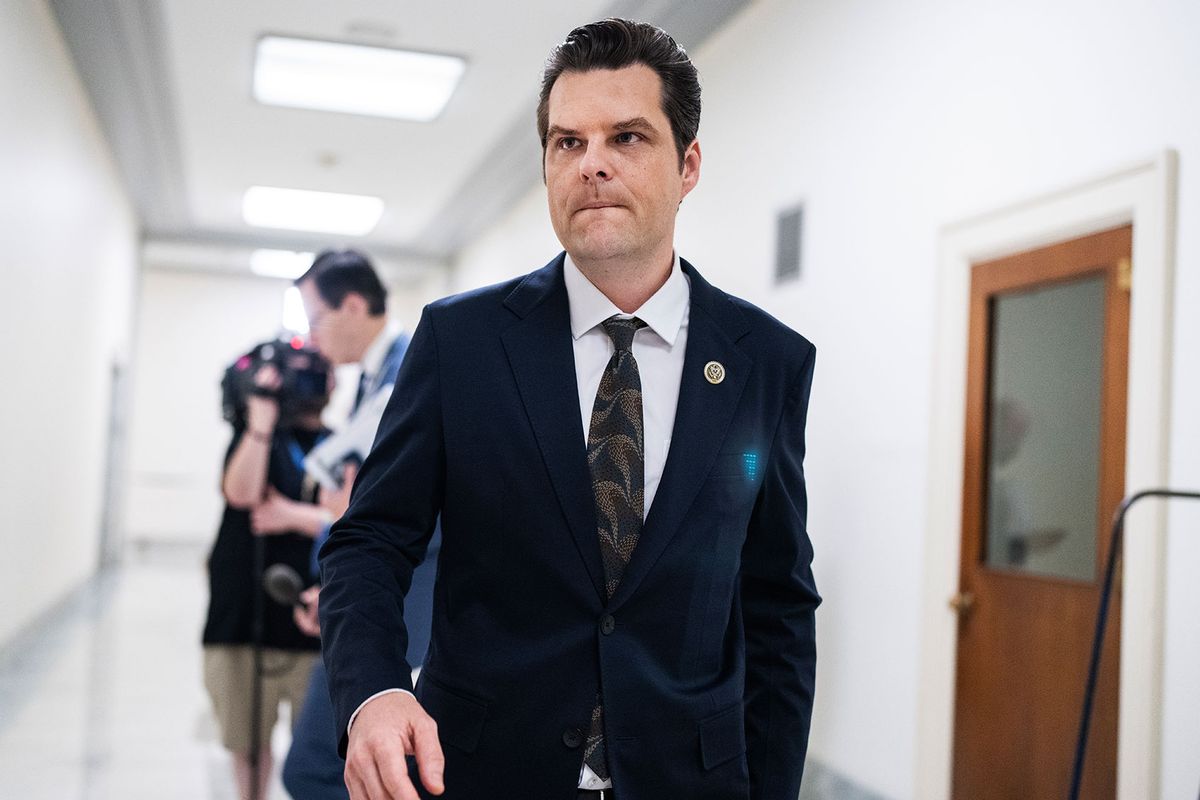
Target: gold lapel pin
714, 372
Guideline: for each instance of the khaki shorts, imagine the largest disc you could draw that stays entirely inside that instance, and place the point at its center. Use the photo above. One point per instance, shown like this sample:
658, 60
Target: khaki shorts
229, 679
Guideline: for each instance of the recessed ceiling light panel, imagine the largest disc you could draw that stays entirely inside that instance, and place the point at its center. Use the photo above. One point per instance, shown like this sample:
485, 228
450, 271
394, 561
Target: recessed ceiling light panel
356, 79
280, 263
305, 210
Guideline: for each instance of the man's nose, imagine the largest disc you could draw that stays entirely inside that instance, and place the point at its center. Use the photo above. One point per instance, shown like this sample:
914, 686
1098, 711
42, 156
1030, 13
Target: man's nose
596, 164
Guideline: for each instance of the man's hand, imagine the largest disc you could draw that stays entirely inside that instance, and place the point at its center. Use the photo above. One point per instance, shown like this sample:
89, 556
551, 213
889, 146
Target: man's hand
337, 500
386, 730
305, 616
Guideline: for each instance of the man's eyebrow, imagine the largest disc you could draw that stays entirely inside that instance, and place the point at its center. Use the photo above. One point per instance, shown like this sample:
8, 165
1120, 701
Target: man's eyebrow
637, 123
556, 130
633, 124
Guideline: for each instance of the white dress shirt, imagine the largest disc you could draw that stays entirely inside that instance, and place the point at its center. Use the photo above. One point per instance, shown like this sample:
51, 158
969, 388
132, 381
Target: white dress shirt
658, 349
376, 353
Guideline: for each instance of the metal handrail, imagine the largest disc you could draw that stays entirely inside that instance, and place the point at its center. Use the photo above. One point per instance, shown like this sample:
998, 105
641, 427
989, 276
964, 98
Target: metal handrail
1118, 528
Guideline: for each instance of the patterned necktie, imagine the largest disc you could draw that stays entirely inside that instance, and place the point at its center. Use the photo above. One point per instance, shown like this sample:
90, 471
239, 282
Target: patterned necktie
616, 454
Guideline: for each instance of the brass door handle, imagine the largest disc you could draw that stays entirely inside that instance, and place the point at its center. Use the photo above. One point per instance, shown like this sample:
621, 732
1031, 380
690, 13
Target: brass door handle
962, 602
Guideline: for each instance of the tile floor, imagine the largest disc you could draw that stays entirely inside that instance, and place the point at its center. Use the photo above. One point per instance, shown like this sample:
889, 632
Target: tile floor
103, 699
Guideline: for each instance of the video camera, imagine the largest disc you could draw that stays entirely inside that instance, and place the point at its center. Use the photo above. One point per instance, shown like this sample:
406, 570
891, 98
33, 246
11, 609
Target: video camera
304, 388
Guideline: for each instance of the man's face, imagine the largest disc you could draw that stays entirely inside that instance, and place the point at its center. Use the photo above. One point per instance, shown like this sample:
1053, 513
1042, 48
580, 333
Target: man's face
329, 329
613, 178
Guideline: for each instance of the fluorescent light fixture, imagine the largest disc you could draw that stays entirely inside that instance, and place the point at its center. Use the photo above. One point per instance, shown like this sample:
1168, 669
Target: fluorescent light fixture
304, 210
356, 79
293, 312
280, 263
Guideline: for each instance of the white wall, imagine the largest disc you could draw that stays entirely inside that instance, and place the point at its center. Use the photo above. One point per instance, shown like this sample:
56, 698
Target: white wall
521, 242
69, 246
191, 326
890, 121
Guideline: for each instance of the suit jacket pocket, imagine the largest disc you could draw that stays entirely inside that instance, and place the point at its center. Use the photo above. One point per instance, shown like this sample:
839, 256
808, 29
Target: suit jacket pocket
459, 716
722, 736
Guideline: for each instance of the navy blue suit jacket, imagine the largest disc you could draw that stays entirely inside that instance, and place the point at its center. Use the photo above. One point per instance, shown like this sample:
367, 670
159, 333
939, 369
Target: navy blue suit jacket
706, 652
418, 610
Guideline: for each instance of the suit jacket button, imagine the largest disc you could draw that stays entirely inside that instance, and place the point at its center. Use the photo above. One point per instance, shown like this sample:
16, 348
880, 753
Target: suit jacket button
572, 738
607, 624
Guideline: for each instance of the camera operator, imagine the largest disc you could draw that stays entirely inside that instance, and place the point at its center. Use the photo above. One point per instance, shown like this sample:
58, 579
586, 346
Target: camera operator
274, 398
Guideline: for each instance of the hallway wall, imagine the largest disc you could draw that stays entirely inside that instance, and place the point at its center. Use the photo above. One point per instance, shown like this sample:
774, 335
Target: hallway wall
190, 327
889, 122
70, 255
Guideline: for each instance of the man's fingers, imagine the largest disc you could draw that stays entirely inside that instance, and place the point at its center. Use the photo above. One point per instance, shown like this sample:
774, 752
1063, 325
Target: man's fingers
381, 773
389, 727
307, 621
375, 790
349, 473
430, 761
354, 784
393, 773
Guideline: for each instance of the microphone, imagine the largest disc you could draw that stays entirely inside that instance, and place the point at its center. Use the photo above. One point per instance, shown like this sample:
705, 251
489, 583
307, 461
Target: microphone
283, 585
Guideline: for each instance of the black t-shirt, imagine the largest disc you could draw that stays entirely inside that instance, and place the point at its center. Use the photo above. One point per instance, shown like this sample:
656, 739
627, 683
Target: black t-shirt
233, 583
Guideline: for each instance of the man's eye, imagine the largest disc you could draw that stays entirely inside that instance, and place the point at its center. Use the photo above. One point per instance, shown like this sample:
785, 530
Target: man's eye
627, 137
568, 143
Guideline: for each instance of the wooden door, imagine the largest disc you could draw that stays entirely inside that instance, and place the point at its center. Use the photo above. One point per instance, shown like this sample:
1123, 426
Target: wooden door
1045, 461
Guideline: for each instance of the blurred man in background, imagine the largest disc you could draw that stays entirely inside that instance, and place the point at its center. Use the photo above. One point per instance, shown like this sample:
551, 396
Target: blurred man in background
346, 305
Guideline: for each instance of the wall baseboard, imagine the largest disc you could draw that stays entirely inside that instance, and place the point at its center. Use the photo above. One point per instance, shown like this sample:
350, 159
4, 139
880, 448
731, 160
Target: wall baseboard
31, 651
824, 783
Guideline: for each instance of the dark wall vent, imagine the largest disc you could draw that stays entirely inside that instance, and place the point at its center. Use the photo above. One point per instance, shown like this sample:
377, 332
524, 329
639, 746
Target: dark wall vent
789, 233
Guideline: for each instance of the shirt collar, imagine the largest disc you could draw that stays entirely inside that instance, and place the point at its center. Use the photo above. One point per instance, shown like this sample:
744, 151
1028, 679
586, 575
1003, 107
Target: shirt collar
663, 313
372, 360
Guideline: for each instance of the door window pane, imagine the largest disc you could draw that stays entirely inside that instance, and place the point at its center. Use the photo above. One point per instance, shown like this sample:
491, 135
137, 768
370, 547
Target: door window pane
1044, 429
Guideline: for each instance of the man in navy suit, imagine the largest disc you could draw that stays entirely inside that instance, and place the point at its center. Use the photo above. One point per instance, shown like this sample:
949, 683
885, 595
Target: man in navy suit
624, 602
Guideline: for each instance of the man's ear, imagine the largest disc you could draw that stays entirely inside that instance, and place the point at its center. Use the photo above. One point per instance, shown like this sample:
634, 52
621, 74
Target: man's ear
355, 304
691, 168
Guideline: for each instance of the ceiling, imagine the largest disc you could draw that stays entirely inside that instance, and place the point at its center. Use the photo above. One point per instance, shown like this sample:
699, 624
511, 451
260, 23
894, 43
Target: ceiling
170, 81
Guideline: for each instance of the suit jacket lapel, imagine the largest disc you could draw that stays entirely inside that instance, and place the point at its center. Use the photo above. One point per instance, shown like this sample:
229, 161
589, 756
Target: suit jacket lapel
543, 363
702, 419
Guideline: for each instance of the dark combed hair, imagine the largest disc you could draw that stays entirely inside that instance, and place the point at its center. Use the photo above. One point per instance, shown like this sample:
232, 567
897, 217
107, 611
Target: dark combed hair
336, 273
617, 43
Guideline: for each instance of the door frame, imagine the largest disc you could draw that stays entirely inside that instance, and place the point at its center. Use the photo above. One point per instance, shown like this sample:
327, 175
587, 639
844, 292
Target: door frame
1144, 195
